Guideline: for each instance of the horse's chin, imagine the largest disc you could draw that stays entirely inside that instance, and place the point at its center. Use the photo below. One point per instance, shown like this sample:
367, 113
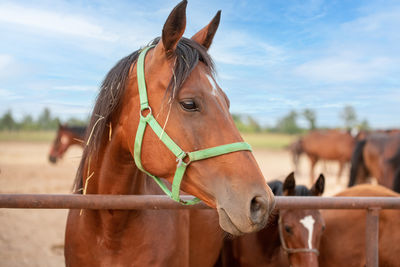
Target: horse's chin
226, 223
229, 226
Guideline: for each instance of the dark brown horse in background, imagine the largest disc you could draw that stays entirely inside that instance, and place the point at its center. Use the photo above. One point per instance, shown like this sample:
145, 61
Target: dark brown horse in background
295, 150
291, 237
378, 155
194, 112
66, 137
343, 242
327, 145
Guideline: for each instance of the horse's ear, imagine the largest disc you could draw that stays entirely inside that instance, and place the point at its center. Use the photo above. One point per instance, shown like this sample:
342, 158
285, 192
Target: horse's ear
173, 30
206, 35
318, 188
289, 185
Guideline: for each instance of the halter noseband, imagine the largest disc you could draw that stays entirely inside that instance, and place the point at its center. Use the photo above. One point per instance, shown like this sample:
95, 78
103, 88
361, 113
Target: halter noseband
169, 143
293, 250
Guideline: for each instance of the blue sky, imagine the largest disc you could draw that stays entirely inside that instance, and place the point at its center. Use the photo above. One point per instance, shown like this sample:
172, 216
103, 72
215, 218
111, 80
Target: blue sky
271, 56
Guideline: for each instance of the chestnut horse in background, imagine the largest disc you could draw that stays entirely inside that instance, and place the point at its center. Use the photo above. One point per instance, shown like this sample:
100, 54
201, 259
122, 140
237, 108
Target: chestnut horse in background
291, 237
66, 137
378, 155
190, 109
343, 242
328, 145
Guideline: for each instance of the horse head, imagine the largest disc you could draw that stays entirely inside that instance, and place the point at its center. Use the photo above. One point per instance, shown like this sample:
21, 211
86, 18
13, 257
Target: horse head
301, 230
193, 112
60, 144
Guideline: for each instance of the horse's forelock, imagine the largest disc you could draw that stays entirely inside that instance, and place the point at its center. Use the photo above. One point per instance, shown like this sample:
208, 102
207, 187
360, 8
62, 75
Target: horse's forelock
301, 190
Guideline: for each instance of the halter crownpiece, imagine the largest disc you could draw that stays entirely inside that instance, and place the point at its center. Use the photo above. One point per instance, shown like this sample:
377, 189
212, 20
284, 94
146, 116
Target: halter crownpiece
169, 143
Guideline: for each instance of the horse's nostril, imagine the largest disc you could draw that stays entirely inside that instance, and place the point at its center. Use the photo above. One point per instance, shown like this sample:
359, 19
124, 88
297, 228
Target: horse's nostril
258, 209
255, 205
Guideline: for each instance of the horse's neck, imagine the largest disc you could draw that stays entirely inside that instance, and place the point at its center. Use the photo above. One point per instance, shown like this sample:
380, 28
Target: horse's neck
257, 249
269, 239
113, 171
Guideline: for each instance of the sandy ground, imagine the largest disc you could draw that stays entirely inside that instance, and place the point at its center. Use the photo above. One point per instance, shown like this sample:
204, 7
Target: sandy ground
35, 237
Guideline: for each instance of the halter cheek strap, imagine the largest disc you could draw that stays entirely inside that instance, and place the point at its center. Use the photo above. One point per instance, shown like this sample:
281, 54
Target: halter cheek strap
169, 143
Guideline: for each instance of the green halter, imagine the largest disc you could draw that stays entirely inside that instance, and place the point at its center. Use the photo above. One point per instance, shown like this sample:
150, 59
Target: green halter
173, 147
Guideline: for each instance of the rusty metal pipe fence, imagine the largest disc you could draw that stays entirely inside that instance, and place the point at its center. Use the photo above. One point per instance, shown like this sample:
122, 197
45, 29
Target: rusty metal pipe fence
139, 202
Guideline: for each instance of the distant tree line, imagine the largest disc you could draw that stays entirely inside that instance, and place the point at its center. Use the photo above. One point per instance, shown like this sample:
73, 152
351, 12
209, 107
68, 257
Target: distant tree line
289, 123
45, 121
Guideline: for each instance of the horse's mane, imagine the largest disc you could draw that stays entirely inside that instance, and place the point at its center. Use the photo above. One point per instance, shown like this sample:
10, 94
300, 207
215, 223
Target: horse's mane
188, 53
79, 130
277, 188
302, 190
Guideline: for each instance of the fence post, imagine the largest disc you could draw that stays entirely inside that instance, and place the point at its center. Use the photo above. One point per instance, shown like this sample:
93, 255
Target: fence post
372, 237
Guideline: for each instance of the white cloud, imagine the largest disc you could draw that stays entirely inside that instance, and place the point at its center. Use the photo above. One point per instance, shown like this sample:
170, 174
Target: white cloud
51, 21
239, 48
8, 66
343, 69
5, 61
362, 50
5, 93
306, 11
8, 95
76, 88
381, 23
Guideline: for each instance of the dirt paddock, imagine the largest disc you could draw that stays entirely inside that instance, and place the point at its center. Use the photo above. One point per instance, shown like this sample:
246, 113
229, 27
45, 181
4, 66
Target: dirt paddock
35, 237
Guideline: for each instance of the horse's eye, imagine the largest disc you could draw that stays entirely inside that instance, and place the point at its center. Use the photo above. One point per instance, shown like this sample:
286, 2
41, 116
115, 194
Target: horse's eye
189, 105
323, 228
288, 229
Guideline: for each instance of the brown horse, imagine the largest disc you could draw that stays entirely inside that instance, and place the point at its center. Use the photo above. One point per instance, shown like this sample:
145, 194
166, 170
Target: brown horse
66, 137
395, 162
343, 243
193, 110
291, 237
376, 156
328, 145
296, 150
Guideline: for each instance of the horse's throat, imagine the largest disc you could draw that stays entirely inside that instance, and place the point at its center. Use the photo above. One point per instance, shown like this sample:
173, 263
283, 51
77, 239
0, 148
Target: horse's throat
114, 172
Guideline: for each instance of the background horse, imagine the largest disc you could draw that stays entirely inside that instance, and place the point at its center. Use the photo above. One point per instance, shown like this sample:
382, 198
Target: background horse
191, 110
296, 150
343, 243
291, 237
66, 137
395, 162
377, 156
328, 145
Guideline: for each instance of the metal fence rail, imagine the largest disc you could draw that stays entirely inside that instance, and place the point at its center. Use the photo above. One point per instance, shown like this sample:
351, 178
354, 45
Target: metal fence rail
139, 202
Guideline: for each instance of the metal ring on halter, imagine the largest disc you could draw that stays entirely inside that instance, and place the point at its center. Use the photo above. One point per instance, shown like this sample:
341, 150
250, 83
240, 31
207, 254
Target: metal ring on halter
148, 114
181, 160
293, 250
